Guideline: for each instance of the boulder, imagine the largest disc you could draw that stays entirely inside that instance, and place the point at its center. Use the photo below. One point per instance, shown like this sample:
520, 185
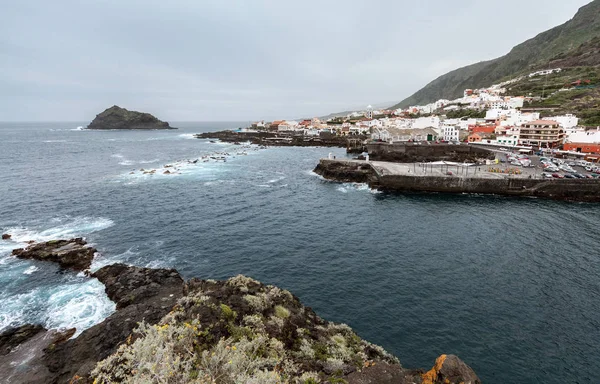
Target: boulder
6, 236
116, 117
72, 254
449, 369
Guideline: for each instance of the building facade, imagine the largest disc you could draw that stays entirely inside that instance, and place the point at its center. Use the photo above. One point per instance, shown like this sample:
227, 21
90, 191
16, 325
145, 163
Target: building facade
542, 134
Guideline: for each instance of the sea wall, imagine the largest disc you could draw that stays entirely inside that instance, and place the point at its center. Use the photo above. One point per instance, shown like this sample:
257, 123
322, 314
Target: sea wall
416, 152
587, 190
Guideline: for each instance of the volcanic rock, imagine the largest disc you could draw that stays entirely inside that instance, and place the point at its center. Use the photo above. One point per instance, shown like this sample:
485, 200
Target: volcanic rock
141, 294
6, 236
238, 310
73, 254
120, 118
13, 337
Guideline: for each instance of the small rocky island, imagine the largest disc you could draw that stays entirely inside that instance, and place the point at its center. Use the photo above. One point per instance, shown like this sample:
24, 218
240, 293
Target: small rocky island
116, 117
168, 330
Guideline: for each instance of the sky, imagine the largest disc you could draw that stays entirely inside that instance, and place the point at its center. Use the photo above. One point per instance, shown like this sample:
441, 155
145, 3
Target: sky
228, 60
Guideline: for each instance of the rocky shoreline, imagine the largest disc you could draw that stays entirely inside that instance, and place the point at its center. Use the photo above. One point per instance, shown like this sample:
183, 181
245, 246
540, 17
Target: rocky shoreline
166, 329
287, 140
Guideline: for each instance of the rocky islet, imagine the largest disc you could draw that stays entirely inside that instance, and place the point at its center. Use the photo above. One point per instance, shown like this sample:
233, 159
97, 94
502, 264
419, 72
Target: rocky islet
115, 118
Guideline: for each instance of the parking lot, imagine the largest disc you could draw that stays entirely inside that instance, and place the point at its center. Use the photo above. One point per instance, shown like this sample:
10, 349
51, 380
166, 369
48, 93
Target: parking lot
546, 166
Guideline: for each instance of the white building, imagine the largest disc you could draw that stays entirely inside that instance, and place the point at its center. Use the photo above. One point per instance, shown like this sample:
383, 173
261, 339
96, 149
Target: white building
566, 121
369, 112
450, 133
288, 126
588, 137
426, 122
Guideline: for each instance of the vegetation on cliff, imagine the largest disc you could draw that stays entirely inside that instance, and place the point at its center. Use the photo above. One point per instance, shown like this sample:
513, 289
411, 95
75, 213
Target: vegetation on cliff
239, 331
568, 45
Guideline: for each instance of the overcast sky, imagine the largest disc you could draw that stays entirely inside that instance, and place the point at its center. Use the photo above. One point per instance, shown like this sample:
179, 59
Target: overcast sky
192, 60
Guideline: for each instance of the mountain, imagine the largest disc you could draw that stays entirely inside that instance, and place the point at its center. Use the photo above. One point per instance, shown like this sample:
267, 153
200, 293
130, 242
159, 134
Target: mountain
116, 117
548, 49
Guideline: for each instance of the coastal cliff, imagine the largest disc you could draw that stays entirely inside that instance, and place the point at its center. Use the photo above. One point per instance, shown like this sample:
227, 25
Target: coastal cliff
239, 330
116, 117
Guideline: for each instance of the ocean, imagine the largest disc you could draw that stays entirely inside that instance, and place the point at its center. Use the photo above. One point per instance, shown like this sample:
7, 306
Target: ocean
511, 286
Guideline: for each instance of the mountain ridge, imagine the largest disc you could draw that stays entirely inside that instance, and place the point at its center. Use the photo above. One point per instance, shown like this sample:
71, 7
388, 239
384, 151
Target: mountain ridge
533, 54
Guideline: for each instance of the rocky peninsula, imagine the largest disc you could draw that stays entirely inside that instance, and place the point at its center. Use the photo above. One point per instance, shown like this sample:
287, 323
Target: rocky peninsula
287, 139
116, 117
168, 330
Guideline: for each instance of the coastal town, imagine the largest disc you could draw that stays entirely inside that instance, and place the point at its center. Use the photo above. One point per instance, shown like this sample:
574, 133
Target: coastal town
484, 116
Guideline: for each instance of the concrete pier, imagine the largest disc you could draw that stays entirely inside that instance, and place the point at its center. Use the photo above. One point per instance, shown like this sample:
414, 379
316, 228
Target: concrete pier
398, 177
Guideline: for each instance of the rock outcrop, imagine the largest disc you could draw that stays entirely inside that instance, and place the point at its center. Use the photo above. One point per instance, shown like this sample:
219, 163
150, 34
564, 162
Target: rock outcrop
72, 254
13, 337
6, 236
120, 118
347, 172
238, 330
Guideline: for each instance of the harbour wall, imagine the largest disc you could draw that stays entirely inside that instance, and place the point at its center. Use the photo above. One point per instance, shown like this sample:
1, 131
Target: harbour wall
418, 152
587, 190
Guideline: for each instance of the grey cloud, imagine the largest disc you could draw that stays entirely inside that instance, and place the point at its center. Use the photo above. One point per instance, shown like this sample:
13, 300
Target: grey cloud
242, 60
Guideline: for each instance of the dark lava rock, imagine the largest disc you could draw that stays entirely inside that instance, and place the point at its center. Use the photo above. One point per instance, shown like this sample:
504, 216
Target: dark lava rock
73, 254
126, 285
13, 337
120, 118
140, 293
348, 172
381, 373
6, 236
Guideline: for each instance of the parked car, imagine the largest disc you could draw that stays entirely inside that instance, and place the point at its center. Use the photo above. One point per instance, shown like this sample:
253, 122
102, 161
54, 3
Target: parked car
547, 175
558, 176
569, 176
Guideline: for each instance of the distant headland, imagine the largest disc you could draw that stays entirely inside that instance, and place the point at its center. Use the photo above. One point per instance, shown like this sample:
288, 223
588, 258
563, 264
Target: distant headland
116, 117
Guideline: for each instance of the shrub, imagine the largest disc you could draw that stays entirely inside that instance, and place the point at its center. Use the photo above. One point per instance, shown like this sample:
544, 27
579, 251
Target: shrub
258, 302
227, 313
282, 312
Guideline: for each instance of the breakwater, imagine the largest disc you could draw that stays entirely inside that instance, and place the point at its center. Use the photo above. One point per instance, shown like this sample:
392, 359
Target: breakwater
391, 177
352, 144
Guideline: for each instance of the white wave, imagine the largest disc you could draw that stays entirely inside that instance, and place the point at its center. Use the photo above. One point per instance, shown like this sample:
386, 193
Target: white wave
187, 136
77, 306
80, 128
276, 180
148, 161
117, 155
73, 227
351, 187
125, 257
30, 270
14, 308
126, 162
312, 173
55, 141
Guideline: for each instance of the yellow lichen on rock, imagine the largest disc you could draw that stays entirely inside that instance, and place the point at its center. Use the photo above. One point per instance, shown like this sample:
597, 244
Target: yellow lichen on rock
431, 376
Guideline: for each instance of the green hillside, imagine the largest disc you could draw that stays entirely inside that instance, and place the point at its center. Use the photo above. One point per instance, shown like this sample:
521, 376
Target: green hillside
562, 46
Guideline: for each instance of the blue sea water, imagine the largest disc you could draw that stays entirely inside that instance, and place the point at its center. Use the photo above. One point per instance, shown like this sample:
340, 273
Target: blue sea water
512, 286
